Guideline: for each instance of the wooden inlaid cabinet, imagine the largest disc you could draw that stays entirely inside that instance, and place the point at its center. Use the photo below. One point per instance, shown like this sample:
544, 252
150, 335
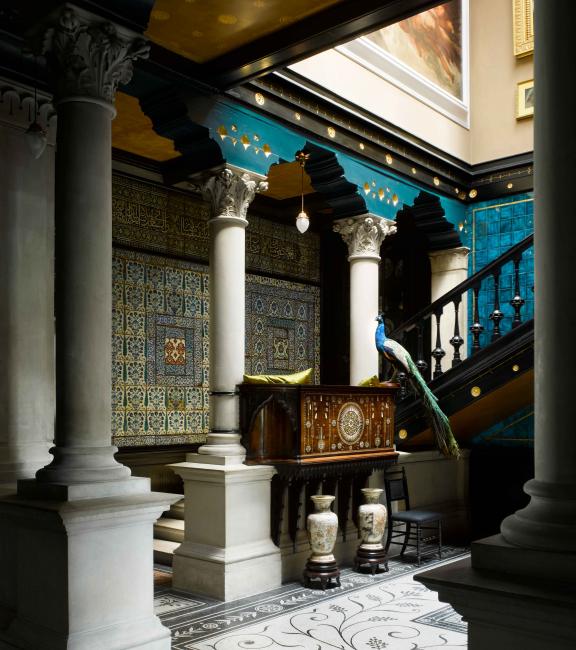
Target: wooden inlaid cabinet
302, 424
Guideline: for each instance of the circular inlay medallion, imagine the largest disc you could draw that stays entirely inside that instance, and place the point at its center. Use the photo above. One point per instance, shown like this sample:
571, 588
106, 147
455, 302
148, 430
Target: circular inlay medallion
350, 423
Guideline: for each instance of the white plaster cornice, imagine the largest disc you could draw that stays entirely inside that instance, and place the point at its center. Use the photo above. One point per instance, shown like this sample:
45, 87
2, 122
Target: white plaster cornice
87, 56
364, 235
449, 259
229, 193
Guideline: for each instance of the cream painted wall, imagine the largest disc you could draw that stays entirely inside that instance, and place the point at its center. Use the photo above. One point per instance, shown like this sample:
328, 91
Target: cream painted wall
350, 80
494, 73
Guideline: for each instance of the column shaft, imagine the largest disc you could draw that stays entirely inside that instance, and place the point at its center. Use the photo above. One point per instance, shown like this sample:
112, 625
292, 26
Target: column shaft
229, 194
26, 296
363, 312
227, 321
549, 520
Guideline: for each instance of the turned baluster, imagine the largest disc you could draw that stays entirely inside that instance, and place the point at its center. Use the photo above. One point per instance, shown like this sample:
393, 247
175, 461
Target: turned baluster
517, 302
496, 316
456, 341
420, 362
402, 378
438, 352
476, 328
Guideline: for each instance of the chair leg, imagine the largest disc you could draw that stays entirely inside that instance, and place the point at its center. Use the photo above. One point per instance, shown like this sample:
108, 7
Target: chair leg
439, 540
406, 536
418, 534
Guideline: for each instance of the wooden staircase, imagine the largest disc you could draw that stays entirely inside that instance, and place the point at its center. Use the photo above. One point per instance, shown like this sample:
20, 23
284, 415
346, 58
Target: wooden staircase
495, 381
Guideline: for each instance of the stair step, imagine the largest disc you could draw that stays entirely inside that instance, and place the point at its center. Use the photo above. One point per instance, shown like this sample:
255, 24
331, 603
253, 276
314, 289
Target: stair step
176, 510
164, 550
169, 529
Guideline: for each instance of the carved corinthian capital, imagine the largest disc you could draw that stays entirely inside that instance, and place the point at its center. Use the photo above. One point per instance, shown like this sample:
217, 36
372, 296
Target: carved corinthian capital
230, 193
364, 235
89, 57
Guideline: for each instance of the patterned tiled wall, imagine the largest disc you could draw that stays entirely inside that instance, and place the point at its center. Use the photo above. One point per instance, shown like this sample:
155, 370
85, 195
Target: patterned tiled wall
282, 326
161, 310
491, 229
160, 350
156, 219
161, 343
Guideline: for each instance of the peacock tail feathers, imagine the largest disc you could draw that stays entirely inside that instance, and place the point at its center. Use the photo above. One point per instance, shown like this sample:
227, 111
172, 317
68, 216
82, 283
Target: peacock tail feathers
438, 421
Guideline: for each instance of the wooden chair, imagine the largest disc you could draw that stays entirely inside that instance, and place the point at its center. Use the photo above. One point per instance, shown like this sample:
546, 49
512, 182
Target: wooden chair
418, 528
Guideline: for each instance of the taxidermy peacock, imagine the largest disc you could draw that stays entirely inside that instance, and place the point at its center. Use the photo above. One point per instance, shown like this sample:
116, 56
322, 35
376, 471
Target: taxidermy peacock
400, 358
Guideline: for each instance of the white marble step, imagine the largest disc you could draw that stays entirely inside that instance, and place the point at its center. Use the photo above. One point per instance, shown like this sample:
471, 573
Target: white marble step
169, 529
164, 550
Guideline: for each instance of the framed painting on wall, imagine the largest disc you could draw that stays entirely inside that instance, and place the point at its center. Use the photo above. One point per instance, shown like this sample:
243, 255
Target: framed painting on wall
525, 99
426, 56
523, 21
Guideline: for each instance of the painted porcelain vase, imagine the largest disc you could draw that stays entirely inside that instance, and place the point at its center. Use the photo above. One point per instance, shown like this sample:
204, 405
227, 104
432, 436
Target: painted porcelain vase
372, 519
322, 527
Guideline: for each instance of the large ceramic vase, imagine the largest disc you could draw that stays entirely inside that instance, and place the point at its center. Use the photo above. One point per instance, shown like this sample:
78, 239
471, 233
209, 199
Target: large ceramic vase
322, 527
372, 520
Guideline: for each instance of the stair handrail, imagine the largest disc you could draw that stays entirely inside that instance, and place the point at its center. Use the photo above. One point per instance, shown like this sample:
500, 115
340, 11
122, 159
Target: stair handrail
470, 283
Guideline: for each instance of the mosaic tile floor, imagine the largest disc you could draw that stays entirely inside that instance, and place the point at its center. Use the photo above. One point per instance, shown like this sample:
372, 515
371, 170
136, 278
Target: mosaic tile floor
388, 611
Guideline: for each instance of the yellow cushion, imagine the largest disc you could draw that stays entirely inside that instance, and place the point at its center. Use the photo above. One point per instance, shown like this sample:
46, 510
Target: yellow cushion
370, 381
304, 377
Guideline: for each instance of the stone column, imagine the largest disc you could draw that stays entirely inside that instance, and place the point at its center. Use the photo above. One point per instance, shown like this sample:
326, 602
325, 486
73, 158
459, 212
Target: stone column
449, 268
26, 295
364, 236
549, 520
79, 537
227, 550
518, 582
229, 194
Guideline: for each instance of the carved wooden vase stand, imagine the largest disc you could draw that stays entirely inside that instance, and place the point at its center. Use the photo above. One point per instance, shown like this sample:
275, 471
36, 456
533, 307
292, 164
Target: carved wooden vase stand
371, 526
322, 527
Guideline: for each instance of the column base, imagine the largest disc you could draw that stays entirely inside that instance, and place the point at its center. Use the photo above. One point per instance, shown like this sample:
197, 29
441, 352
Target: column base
21, 461
78, 573
223, 445
548, 522
511, 597
83, 465
227, 552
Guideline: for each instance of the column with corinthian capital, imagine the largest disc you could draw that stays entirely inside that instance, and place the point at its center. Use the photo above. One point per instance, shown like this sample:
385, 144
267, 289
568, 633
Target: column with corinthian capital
227, 551
364, 236
79, 536
229, 194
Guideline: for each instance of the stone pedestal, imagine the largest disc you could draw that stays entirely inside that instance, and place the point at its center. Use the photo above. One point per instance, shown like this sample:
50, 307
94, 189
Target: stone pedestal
78, 573
227, 551
449, 268
364, 236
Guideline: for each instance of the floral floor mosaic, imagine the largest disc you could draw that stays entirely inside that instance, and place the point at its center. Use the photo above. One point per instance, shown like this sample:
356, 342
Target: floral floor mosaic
387, 611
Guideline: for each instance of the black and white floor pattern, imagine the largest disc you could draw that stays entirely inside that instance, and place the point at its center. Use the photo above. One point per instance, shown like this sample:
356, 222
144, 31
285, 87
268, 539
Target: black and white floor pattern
387, 611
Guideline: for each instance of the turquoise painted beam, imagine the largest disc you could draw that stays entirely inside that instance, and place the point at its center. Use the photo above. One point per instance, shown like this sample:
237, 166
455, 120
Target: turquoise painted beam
254, 142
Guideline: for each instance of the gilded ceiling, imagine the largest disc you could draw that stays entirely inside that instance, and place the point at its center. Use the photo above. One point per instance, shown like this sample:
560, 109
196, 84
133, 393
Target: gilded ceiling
202, 30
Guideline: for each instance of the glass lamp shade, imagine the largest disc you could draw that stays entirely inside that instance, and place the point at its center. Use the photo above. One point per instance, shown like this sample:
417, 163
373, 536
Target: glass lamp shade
36, 138
302, 222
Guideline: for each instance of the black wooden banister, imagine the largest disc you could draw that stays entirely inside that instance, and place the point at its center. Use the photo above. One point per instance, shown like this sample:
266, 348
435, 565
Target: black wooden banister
470, 283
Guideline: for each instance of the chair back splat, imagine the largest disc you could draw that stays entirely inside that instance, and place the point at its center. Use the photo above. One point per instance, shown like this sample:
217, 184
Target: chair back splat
418, 529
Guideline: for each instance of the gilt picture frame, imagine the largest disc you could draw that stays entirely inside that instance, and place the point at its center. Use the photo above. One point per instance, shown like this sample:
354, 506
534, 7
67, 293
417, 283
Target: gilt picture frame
525, 99
523, 27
